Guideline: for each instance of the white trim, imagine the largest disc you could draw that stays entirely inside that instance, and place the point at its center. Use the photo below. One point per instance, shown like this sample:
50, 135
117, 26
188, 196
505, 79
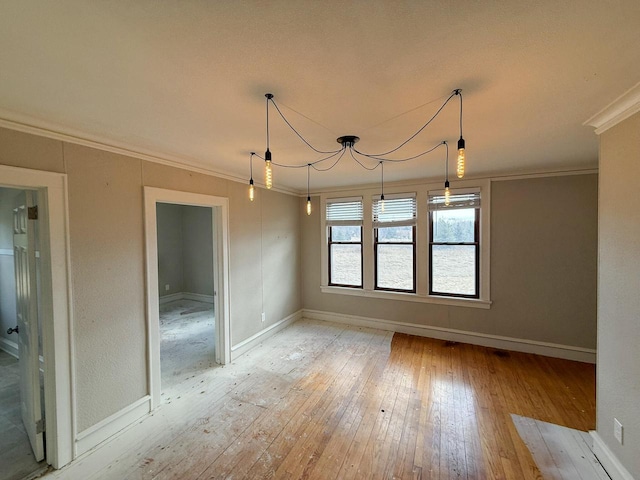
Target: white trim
197, 297
525, 176
568, 352
246, 345
6, 251
408, 297
608, 460
26, 124
172, 297
105, 429
620, 109
56, 304
9, 347
220, 218
417, 182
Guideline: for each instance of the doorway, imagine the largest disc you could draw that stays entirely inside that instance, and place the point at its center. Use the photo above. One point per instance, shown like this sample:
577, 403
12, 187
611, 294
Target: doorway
50, 342
22, 434
188, 319
186, 271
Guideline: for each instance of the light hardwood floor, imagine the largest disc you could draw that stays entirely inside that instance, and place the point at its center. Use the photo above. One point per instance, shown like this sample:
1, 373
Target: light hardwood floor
322, 400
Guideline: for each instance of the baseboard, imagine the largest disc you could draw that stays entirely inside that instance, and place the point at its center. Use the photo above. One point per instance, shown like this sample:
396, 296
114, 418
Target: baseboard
608, 460
171, 298
101, 431
198, 297
494, 341
9, 347
262, 335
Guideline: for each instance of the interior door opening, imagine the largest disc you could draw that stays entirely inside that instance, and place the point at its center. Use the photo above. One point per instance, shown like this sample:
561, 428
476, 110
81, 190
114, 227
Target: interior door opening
187, 270
22, 400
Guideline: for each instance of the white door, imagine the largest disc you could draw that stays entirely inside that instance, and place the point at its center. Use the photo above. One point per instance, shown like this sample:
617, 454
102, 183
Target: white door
24, 251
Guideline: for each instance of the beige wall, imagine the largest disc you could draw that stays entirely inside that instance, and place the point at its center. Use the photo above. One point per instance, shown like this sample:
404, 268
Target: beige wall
107, 263
618, 382
543, 267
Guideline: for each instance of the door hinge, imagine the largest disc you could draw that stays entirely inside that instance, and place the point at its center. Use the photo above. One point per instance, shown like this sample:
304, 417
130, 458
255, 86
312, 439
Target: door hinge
32, 213
40, 426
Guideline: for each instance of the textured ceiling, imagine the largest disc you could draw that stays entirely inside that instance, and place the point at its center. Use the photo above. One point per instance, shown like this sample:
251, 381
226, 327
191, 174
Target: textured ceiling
186, 79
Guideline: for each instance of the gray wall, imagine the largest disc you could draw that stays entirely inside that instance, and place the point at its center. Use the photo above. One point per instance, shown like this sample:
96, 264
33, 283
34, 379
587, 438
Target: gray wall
185, 252
7, 275
618, 382
106, 227
543, 267
170, 249
197, 251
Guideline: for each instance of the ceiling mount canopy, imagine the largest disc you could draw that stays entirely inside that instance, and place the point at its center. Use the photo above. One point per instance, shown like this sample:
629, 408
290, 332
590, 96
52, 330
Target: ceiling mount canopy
365, 160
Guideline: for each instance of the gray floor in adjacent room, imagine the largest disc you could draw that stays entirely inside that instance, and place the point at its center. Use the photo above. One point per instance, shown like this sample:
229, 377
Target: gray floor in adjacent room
560, 453
187, 342
16, 458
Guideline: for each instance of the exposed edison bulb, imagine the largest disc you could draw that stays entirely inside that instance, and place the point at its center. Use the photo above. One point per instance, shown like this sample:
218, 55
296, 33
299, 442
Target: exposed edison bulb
461, 158
268, 174
447, 196
308, 205
251, 191
382, 204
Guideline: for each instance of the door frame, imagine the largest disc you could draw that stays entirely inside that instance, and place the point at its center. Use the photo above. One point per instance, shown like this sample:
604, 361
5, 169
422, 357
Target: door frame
220, 218
56, 305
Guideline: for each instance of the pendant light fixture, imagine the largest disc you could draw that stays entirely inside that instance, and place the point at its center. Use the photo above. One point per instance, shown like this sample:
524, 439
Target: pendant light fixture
447, 192
251, 188
331, 158
460, 166
268, 172
308, 194
382, 187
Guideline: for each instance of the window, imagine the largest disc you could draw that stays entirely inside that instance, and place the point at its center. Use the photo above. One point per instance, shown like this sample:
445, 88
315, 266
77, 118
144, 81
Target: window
454, 245
394, 244
344, 225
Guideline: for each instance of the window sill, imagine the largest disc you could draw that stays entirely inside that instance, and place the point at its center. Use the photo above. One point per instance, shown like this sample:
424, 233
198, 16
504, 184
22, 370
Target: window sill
408, 297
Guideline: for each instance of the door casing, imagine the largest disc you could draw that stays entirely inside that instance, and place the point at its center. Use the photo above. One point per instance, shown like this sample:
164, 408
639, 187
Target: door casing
220, 218
56, 312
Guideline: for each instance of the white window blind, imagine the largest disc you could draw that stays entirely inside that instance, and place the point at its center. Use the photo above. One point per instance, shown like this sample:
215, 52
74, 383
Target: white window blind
344, 212
461, 200
399, 211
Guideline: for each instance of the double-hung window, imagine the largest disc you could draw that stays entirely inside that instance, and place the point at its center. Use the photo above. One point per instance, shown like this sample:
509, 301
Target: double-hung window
394, 243
344, 234
454, 245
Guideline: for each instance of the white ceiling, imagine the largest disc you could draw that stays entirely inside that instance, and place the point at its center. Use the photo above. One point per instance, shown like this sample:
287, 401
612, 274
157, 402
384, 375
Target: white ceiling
186, 79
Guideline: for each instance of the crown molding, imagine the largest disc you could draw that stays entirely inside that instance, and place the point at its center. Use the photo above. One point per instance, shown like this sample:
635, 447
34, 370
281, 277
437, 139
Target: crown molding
26, 124
620, 109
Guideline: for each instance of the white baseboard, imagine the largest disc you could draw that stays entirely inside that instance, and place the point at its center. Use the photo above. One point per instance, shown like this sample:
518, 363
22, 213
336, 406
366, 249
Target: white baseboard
101, 431
171, 298
9, 347
262, 335
608, 460
494, 341
198, 297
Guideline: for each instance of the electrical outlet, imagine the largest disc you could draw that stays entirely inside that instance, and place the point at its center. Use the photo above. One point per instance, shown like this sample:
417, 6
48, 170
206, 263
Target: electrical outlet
617, 430
264, 317
166, 287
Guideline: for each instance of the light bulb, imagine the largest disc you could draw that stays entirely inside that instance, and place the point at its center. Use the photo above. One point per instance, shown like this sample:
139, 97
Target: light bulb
308, 205
382, 204
251, 191
268, 174
447, 196
461, 158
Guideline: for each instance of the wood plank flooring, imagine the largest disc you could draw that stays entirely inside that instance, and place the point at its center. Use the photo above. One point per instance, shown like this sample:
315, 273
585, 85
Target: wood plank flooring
323, 401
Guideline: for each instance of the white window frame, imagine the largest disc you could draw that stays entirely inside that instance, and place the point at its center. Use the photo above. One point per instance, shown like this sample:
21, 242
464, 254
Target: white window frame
422, 192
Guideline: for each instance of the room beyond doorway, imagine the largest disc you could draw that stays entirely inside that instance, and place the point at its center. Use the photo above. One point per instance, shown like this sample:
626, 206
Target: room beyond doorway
218, 209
